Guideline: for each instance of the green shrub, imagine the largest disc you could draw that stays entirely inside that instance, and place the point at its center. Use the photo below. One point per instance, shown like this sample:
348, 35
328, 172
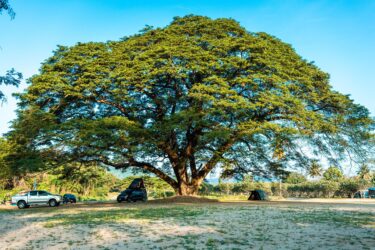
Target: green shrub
313, 189
349, 186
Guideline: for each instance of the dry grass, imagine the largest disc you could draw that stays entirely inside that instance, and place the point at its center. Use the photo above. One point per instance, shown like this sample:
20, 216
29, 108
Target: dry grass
191, 223
184, 199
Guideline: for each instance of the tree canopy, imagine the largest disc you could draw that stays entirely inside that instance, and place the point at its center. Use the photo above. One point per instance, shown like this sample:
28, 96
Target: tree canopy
295, 178
185, 99
333, 174
5, 171
11, 77
5, 6
315, 169
364, 172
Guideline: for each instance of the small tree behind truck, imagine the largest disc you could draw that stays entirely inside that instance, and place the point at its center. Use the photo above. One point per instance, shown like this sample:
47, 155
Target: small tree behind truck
27, 199
371, 192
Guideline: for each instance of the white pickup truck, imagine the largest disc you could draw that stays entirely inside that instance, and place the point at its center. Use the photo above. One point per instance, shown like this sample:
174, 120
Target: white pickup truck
36, 197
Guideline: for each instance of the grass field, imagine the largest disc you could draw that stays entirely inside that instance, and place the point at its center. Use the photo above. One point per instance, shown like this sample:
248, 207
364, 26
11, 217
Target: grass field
198, 225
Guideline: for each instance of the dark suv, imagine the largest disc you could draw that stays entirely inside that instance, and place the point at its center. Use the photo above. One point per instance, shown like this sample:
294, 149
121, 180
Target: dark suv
69, 198
135, 192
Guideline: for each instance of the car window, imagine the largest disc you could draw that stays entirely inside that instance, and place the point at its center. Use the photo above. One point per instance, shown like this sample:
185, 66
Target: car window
33, 193
43, 193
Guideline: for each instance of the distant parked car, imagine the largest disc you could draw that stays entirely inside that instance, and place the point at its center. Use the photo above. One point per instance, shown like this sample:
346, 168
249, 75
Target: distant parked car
69, 198
135, 192
36, 197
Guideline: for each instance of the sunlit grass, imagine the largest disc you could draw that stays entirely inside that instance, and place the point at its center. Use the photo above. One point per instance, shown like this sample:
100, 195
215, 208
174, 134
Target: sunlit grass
224, 198
180, 213
118, 215
339, 218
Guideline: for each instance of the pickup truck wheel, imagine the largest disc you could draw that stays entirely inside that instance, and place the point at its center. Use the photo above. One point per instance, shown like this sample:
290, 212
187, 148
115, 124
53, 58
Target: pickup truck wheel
52, 203
21, 204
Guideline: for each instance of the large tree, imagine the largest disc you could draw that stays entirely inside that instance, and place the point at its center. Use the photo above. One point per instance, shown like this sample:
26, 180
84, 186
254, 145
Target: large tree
183, 100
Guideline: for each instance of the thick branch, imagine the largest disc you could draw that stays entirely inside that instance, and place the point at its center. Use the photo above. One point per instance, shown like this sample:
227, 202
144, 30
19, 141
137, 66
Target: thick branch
216, 157
146, 166
193, 166
116, 105
192, 137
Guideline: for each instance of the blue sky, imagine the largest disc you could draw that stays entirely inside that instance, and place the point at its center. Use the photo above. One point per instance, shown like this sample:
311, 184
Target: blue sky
338, 35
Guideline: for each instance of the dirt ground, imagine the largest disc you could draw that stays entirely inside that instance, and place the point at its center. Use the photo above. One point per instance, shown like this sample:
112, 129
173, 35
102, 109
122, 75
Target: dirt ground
192, 224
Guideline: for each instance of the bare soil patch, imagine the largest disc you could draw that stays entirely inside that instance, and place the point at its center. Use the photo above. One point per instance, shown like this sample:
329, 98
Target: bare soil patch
184, 199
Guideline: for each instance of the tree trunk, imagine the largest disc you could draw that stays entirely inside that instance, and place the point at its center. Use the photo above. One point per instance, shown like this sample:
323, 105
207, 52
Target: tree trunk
184, 189
189, 188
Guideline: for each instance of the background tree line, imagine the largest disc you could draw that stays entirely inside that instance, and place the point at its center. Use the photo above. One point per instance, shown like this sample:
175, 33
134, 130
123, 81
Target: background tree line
332, 183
